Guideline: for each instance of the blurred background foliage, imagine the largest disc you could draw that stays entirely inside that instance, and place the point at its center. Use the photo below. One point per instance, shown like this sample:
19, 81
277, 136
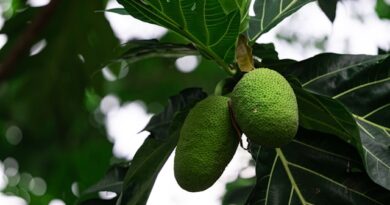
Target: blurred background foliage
49, 98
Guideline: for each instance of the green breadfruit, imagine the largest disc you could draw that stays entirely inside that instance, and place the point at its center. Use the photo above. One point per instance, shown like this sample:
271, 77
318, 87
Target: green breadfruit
206, 145
265, 108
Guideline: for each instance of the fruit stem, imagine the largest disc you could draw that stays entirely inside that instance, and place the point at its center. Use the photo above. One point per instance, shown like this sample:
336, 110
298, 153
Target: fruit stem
235, 125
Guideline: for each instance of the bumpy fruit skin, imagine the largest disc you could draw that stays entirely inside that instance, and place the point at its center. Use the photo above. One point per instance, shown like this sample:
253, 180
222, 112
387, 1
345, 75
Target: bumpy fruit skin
265, 108
206, 145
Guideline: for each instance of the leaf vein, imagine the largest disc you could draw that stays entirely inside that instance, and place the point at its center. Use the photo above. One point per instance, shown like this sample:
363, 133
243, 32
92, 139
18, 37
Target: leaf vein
360, 86
333, 181
340, 70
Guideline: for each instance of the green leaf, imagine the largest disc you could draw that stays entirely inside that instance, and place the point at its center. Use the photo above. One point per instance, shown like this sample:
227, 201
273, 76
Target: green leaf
46, 97
268, 13
145, 82
315, 168
202, 22
265, 51
329, 8
156, 149
112, 182
176, 105
324, 114
243, 6
382, 8
229, 6
362, 84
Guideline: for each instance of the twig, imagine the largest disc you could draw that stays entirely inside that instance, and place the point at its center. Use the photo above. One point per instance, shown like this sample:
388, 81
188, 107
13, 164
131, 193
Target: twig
26, 40
235, 125
167, 50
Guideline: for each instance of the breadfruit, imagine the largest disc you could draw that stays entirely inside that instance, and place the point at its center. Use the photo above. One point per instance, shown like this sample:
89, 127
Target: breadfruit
265, 108
206, 144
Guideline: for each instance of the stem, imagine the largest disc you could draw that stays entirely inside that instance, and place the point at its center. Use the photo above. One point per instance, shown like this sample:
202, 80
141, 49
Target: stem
213, 56
26, 40
229, 70
235, 125
290, 176
166, 50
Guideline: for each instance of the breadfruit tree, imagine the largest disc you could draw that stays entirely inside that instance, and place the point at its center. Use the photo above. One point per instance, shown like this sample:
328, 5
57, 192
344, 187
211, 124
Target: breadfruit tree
318, 130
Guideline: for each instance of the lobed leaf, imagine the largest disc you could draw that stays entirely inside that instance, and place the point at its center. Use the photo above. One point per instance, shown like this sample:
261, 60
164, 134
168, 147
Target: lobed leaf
316, 168
362, 84
204, 22
324, 114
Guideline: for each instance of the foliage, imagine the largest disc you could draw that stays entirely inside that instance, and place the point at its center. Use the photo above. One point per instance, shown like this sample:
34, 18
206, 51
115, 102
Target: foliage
383, 9
215, 35
151, 156
46, 98
340, 154
315, 168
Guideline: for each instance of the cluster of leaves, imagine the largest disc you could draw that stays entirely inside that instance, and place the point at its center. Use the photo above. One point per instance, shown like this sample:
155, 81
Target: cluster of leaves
342, 145
341, 152
53, 97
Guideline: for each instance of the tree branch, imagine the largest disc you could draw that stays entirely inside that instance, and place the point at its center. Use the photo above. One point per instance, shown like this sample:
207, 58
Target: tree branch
149, 49
26, 40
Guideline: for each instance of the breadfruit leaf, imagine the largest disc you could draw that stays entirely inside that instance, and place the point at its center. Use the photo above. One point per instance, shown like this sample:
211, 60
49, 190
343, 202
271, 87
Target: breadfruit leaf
322, 113
204, 23
316, 168
362, 84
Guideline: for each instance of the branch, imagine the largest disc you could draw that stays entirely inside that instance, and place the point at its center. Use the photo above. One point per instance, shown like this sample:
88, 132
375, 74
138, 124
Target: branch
149, 49
26, 40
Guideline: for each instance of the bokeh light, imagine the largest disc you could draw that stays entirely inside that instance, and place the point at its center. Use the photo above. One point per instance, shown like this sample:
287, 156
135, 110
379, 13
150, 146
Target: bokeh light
38, 47
37, 186
14, 135
38, 3
187, 64
107, 195
124, 126
57, 202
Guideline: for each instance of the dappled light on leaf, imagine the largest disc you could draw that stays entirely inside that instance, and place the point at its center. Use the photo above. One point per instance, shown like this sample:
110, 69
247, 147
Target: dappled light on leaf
214, 35
14, 135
